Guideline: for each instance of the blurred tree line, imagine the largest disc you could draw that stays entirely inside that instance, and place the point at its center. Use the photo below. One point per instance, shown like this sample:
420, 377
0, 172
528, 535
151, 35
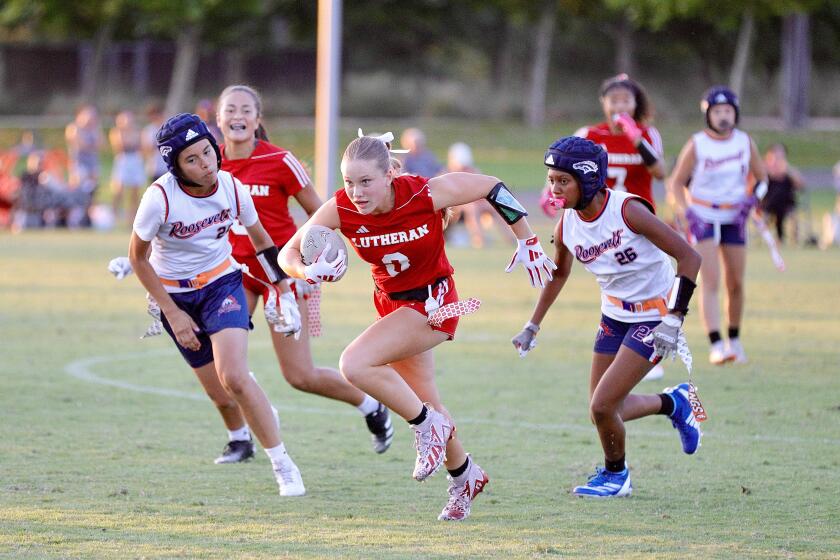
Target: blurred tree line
526, 58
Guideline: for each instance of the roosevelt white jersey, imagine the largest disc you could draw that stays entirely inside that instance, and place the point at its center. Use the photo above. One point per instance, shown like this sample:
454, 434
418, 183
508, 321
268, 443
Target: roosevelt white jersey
626, 264
720, 175
189, 233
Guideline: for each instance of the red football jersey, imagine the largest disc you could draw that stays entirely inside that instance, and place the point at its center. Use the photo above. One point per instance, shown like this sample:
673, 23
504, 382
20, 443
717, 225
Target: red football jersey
404, 246
626, 171
272, 175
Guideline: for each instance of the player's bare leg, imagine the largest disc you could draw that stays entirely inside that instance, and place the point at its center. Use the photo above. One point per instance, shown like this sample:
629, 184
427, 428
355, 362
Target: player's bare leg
232, 366
298, 369
295, 357
634, 406
709, 289
418, 372
240, 445
395, 337
226, 405
734, 267
466, 478
611, 404
611, 400
710, 282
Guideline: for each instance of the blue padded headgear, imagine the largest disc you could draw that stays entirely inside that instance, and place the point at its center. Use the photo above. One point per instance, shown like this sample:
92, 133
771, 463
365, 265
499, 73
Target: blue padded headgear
179, 132
585, 160
719, 95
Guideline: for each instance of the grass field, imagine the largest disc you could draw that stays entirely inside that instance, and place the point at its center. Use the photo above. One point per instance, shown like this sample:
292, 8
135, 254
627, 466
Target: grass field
108, 442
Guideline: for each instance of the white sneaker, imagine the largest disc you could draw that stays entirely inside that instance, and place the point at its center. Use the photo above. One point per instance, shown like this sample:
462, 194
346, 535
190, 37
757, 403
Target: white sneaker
656, 372
430, 438
718, 354
289, 479
735, 351
462, 493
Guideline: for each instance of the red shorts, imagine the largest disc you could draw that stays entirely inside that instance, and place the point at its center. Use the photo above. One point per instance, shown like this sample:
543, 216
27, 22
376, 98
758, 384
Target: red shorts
385, 306
254, 269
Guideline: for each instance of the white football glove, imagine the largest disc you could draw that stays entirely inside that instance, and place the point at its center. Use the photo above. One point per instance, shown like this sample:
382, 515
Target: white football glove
665, 337
526, 340
120, 267
322, 270
531, 255
286, 319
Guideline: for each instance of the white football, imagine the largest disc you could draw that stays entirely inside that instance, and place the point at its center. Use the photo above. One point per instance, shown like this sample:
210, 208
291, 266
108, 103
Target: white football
315, 238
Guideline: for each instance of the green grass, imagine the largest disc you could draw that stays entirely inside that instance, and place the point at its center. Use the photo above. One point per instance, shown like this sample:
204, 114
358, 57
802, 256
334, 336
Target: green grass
96, 471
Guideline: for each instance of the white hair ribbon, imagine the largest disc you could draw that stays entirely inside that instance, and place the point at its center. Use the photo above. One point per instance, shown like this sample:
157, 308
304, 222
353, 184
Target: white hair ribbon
386, 138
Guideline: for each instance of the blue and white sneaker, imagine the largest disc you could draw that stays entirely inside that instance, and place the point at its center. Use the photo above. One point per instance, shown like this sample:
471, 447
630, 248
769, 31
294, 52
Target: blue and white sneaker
683, 418
606, 484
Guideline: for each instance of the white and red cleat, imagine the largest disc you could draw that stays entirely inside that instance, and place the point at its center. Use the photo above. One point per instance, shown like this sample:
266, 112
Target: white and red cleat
430, 437
462, 491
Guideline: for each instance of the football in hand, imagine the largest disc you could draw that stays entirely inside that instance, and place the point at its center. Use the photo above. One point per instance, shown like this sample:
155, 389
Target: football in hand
315, 239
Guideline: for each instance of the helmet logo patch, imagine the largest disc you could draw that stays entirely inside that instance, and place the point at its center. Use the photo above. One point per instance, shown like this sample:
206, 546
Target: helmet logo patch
190, 135
585, 167
720, 98
549, 160
165, 150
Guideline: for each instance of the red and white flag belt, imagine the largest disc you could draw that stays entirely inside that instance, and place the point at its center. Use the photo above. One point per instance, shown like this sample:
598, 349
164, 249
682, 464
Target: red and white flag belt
452, 310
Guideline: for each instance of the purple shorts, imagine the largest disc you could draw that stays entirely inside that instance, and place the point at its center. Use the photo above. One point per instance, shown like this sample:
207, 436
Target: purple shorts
730, 234
217, 306
612, 334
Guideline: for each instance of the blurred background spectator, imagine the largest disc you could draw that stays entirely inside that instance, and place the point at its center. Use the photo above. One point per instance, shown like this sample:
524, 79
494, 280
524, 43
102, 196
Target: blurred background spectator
477, 217
155, 167
206, 110
783, 184
128, 174
84, 146
419, 160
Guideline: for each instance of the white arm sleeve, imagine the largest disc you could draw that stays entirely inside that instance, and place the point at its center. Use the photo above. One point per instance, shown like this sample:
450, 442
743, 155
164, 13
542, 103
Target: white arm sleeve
151, 214
247, 210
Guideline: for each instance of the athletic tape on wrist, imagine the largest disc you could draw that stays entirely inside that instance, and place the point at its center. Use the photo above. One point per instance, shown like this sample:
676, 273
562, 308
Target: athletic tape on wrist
681, 293
268, 259
647, 152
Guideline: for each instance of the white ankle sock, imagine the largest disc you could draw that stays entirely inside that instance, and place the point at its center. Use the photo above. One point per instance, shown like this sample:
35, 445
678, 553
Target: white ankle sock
368, 405
462, 478
242, 434
278, 456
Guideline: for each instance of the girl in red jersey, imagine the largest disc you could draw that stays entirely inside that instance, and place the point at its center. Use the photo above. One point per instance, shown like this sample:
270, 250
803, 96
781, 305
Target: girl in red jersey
273, 175
395, 224
633, 146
